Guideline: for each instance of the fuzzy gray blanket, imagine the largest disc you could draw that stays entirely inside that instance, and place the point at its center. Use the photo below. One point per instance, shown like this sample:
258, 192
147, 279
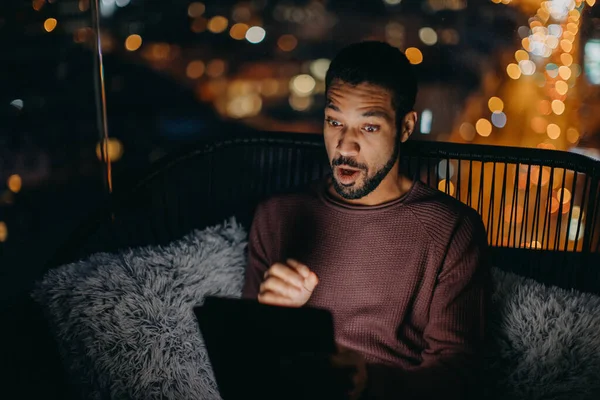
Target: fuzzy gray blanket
125, 326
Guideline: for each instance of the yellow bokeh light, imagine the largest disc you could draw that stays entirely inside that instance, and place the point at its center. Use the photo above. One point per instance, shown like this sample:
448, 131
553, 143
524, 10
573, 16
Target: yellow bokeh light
526, 43
217, 24
495, 104
568, 36
566, 59
133, 42
558, 107
572, 135
287, 42
14, 183
521, 55
446, 185
513, 71
564, 72
591, 2
483, 127
302, 85
50, 24
553, 131
566, 45
238, 31
3, 231
414, 55
113, 149
565, 193
195, 69
573, 28
561, 87
196, 9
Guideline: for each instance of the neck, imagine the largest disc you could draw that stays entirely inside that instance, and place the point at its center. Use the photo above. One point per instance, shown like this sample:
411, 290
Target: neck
394, 186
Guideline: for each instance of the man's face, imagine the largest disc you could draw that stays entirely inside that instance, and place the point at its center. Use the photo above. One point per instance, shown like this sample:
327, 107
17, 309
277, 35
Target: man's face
360, 137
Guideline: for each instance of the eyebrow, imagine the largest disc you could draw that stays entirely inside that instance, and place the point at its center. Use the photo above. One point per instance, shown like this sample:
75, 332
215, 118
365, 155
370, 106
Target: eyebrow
376, 113
332, 106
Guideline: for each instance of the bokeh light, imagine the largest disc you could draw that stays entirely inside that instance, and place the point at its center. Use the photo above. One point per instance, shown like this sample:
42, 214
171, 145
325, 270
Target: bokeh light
513, 71
467, 131
561, 87
300, 103
114, 149
564, 72
565, 193
244, 106
483, 127
50, 24
318, 68
255, 35
527, 67
238, 31
566, 59
414, 55
3, 231
196, 9
302, 85
521, 55
14, 183
195, 69
572, 135
558, 107
495, 104
287, 42
428, 36
133, 42
499, 119
446, 187
216, 68
217, 24
553, 131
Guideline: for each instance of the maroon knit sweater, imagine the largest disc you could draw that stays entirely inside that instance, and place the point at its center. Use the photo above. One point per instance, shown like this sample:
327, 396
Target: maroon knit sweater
406, 281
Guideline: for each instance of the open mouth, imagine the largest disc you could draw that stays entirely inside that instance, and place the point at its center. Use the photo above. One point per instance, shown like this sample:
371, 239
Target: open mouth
347, 175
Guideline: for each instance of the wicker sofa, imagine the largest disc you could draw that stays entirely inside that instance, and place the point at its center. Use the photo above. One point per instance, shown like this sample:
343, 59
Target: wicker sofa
514, 189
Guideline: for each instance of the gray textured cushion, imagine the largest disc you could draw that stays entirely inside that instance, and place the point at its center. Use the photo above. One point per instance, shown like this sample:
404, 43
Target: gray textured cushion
125, 325
126, 330
544, 342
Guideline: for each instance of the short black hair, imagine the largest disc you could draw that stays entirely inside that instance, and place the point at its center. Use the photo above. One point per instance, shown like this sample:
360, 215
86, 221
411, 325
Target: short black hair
379, 64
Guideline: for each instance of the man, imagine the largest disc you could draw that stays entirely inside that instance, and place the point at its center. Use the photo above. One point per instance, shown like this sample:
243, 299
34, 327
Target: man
401, 266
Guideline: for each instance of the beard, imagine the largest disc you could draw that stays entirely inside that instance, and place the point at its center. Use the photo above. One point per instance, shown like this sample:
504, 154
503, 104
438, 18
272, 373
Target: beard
370, 183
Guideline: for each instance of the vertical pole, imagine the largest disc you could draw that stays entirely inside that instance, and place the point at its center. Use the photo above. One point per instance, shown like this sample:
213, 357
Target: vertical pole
101, 115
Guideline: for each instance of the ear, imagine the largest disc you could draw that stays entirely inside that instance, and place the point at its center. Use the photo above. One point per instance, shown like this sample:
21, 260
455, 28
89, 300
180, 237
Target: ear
408, 125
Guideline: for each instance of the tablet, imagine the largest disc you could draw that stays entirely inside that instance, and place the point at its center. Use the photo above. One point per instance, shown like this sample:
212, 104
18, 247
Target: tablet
263, 351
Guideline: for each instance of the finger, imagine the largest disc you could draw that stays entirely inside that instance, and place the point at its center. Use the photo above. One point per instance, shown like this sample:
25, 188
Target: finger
302, 269
281, 287
311, 282
275, 299
286, 273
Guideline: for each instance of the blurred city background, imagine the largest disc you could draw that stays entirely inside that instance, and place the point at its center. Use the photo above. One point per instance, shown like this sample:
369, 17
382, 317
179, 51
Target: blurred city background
498, 72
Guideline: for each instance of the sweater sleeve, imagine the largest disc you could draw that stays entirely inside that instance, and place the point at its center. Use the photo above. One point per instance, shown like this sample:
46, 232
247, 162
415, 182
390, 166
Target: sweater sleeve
455, 331
257, 262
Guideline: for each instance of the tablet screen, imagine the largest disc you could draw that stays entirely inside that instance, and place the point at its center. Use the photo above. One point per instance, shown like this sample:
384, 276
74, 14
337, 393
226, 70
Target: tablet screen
248, 341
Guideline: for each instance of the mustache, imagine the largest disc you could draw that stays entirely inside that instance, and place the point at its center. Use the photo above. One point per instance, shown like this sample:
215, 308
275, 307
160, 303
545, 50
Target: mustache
349, 162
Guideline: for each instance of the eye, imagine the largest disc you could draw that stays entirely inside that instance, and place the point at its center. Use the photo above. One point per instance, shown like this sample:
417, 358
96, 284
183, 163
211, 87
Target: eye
333, 122
371, 128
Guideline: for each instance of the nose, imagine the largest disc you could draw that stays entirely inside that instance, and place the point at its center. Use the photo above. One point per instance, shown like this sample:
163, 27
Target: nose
348, 145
